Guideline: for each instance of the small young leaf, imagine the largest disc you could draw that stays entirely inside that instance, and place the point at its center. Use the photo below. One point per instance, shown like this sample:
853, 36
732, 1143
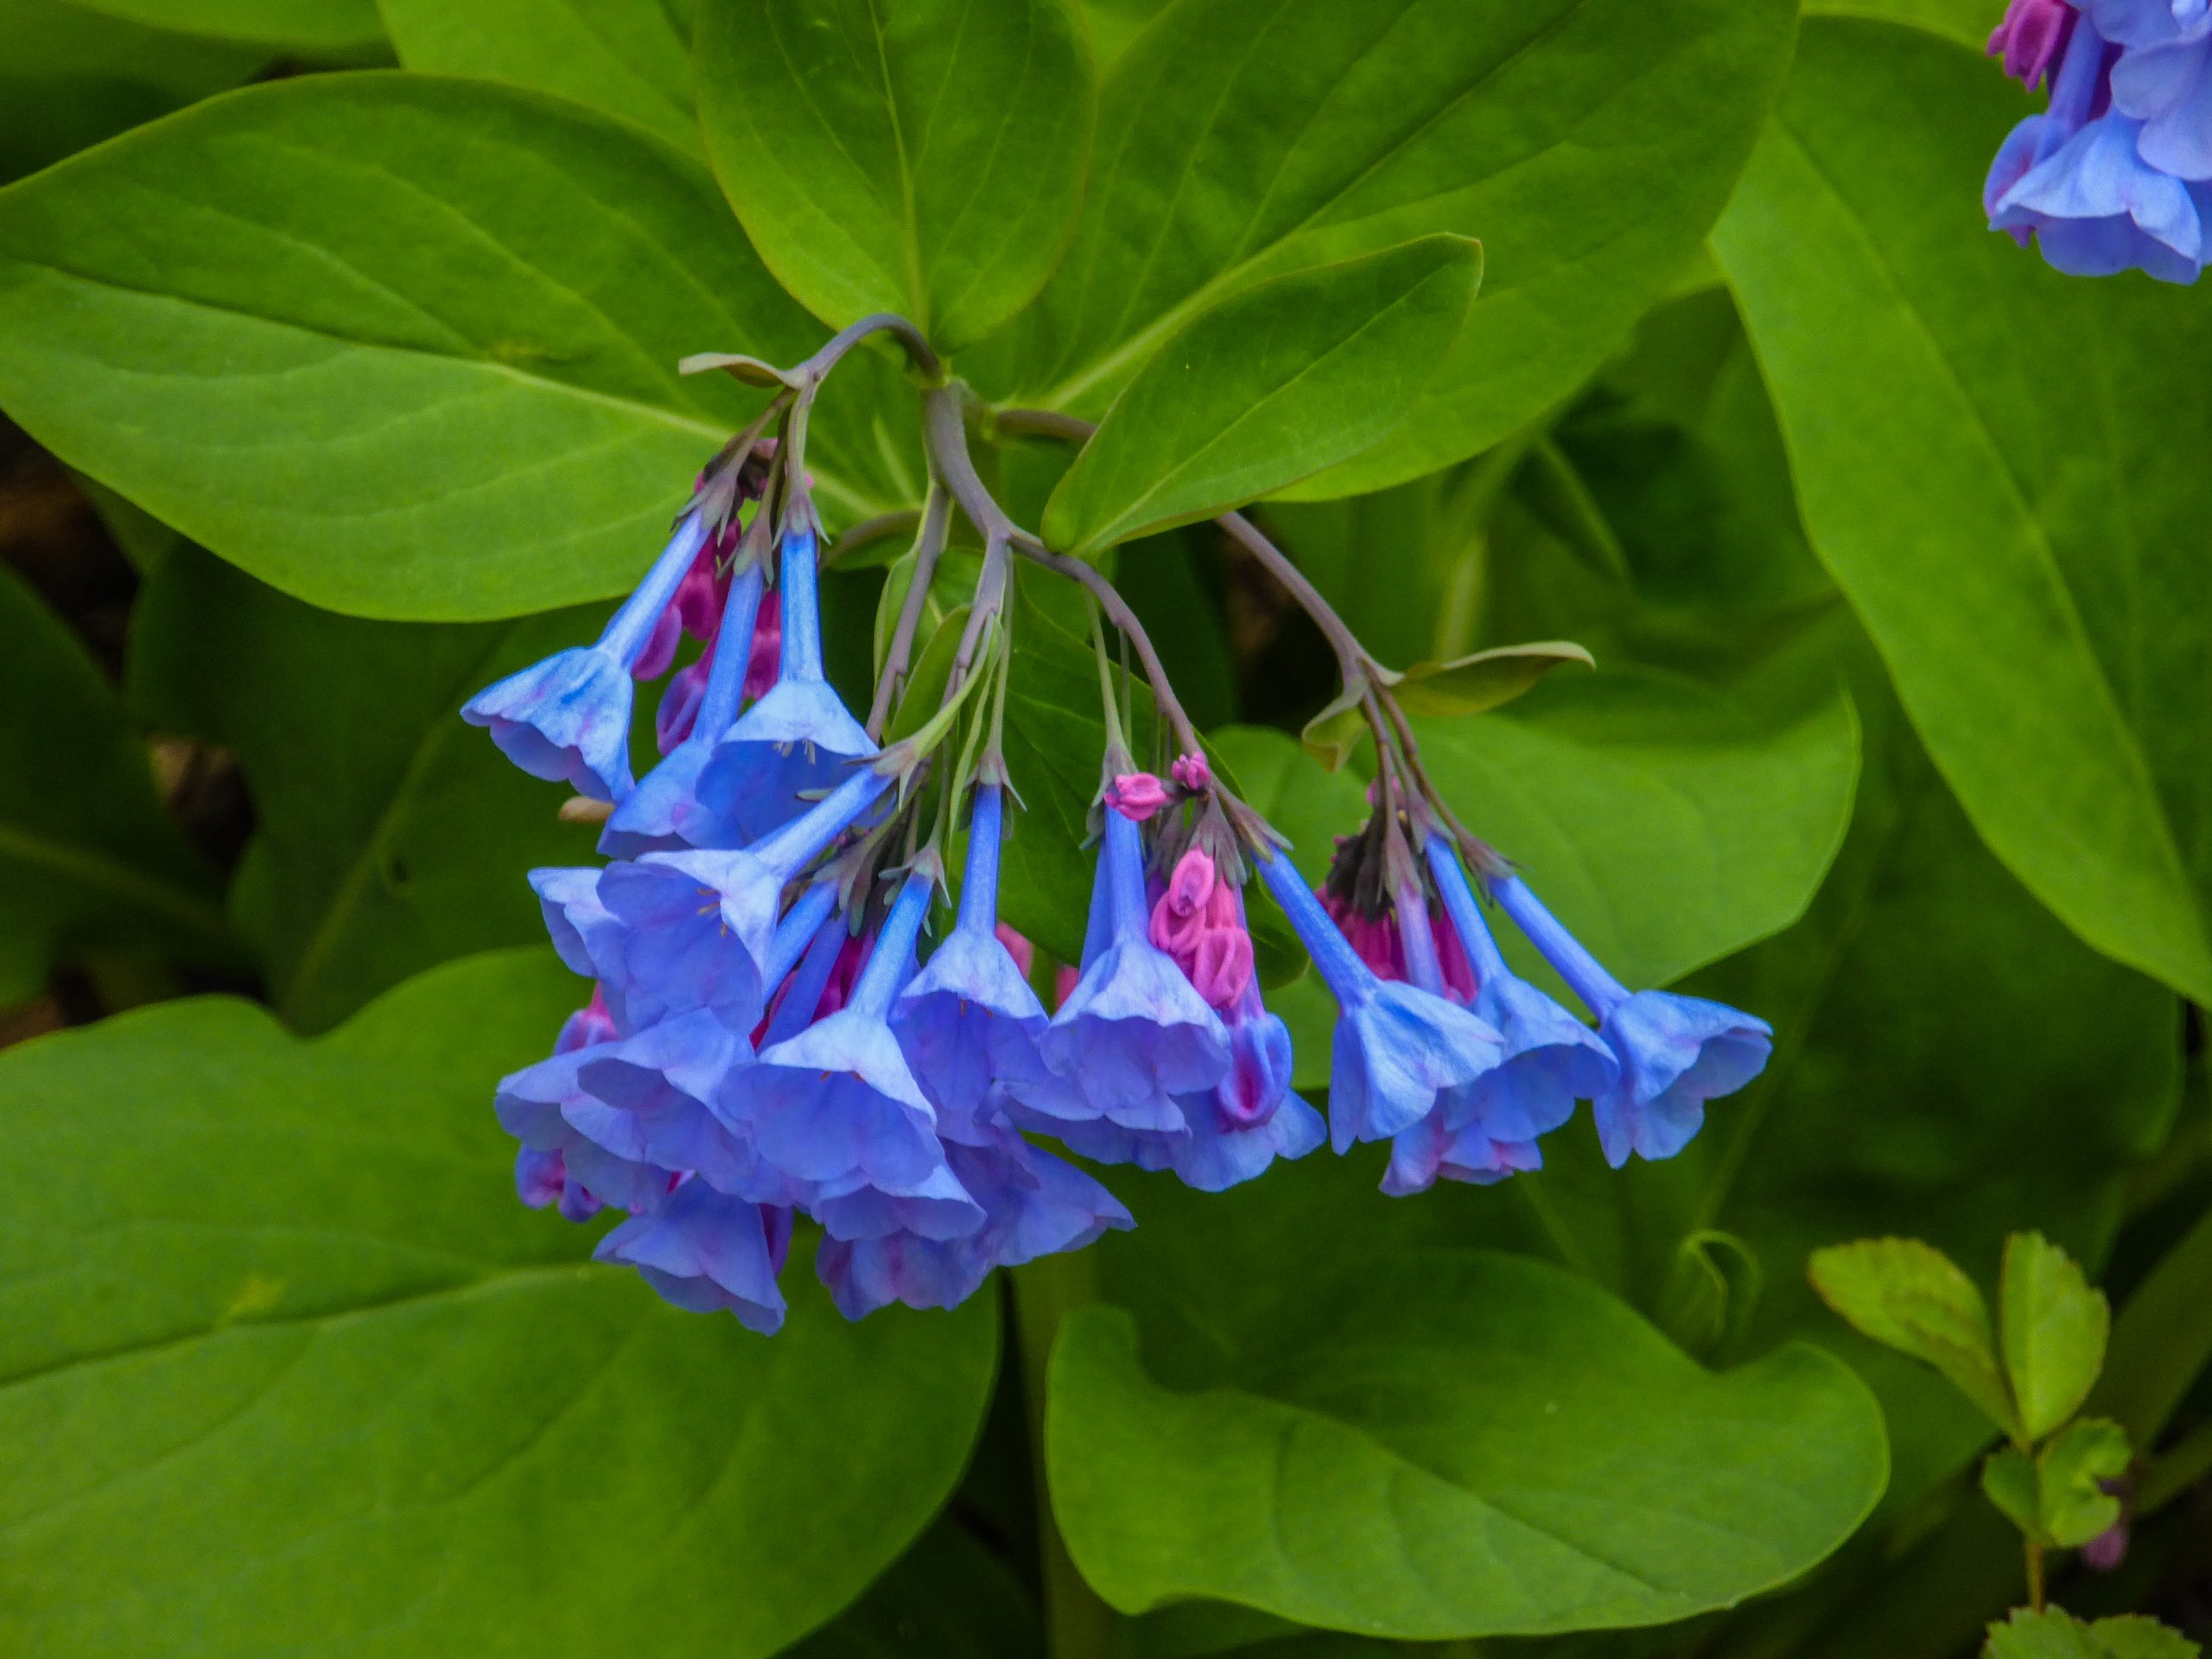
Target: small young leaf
1712, 1290
931, 672
926, 158
2008, 1480
1911, 1297
1331, 735
1488, 679
2072, 1501
2054, 1633
2054, 1327
1269, 387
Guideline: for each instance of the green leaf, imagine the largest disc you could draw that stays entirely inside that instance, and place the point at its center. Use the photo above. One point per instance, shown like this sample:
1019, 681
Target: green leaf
1711, 1292
1587, 143
1969, 20
2054, 1327
2070, 1473
390, 837
1275, 383
2161, 1340
2054, 1633
324, 24
401, 346
1331, 735
1453, 1444
1487, 679
625, 57
2008, 1480
949, 1597
286, 1358
89, 859
1666, 824
2000, 519
924, 158
1912, 1298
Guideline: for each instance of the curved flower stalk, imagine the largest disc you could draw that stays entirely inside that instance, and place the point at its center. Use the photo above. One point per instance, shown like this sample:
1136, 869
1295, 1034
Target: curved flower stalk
1397, 1046
1675, 1052
665, 811
2116, 174
799, 736
567, 719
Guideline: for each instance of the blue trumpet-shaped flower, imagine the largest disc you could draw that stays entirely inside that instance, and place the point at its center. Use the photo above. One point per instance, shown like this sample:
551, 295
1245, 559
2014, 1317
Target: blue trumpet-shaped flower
568, 718
799, 737
968, 1019
531, 1105
1432, 1150
1134, 1033
1675, 1052
704, 1250
665, 811
698, 926
838, 1102
1398, 1047
1552, 1060
1034, 1204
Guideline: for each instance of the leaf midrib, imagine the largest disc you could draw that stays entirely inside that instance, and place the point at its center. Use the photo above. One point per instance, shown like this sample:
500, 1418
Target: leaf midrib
99, 870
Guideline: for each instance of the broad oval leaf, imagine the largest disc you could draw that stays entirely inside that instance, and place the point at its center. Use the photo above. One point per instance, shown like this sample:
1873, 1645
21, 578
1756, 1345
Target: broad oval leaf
1461, 1444
926, 157
327, 24
1588, 143
625, 57
399, 346
1275, 384
1999, 517
2054, 1325
297, 1368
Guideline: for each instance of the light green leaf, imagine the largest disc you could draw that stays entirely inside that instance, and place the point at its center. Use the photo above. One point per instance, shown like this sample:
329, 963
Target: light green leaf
1587, 143
1485, 680
2070, 1476
1912, 1298
390, 837
2008, 1480
1331, 735
625, 57
2008, 523
2054, 1327
1969, 20
2054, 1633
926, 157
89, 859
401, 346
324, 24
284, 1367
1451, 1444
1277, 382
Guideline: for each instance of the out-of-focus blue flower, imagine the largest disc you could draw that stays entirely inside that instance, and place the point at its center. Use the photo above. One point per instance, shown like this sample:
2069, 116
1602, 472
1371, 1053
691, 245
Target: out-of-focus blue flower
2114, 176
665, 811
1034, 1205
1134, 1033
1675, 1052
799, 737
837, 1103
969, 1018
531, 1105
698, 926
568, 718
1397, 1046
704, 1250
1552, 1060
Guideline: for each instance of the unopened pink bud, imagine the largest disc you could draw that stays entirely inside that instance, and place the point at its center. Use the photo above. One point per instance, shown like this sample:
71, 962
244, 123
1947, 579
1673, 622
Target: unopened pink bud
1137, 795
660, 646
1023, 952
1191, 771
1175, 931
1192, 885
1222, 967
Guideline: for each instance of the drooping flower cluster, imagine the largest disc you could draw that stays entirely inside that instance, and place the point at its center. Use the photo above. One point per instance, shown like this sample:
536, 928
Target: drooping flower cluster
2116, 174
772, 1032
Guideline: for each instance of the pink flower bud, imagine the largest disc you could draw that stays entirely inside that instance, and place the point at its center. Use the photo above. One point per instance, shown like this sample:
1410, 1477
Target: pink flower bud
1137, 795
767, 645
1222, 967
1192, 885
660, 647
1178, 934
1064, 980
1451, 956
1191, 771
1023, 952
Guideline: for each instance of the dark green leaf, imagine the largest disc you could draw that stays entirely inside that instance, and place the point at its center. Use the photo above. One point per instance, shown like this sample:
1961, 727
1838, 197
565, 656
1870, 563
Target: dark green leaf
288, 1368
2161, 1340
400, 345
1984, 450
2054, 1633
626, 58
1588, 144
324, 24
1271, 386
2070, 1474
926, 157
89, 860
947, 1597
390, 835
2054, 1327
1485, 680
2008, 1480
1912, 1298
1461, 1444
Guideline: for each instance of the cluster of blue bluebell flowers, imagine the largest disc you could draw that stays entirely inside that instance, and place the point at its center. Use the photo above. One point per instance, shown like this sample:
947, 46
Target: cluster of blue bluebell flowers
771, 1035
2116, 174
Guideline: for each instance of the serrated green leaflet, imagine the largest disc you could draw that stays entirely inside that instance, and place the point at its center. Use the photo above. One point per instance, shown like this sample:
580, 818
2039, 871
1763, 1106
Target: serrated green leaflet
2054, 1327
299, 1373
2054, 1633
1911, 1297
